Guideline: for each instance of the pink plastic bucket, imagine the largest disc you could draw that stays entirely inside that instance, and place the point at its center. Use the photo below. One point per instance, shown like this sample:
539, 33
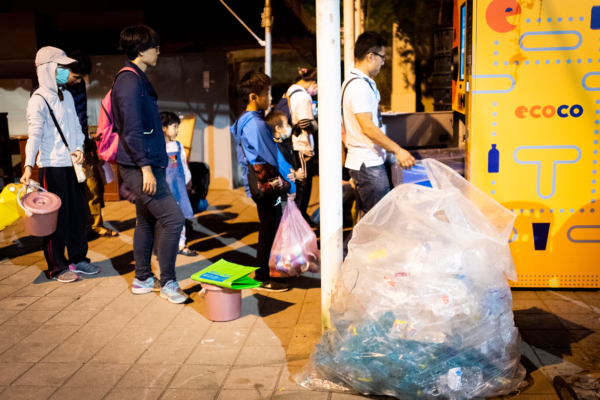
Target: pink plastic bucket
41, 211
222, 304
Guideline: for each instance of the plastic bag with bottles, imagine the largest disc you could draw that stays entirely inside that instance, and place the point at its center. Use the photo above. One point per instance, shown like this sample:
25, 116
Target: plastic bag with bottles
422, 307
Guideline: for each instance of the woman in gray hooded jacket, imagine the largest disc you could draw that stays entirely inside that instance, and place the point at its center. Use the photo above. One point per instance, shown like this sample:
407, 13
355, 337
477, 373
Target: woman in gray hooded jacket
55, 160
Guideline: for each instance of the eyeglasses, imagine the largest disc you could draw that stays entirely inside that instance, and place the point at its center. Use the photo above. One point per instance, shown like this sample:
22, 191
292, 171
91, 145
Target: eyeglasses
382, 57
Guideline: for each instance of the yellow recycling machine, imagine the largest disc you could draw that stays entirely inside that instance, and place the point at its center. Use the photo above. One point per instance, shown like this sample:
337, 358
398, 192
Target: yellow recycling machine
526, 91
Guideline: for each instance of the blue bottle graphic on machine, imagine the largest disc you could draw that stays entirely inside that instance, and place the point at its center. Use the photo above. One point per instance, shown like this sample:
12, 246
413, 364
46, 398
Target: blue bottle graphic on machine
493, 160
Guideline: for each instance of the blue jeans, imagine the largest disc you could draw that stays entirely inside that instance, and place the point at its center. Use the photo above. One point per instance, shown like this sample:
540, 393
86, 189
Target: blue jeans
158, 208
372, 184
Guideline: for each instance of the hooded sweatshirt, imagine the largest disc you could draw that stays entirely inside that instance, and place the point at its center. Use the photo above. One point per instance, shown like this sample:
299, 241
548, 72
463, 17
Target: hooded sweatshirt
43, 135
252, 132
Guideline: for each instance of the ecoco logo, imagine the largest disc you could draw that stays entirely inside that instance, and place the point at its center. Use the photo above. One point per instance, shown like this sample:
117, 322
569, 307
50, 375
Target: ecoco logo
563, 111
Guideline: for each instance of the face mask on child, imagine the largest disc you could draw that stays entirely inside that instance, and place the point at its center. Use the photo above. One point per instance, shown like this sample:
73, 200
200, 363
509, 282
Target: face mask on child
312, 90
287, 134
62, 76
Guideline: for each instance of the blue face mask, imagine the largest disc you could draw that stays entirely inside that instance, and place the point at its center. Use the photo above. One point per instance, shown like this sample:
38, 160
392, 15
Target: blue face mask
63, 75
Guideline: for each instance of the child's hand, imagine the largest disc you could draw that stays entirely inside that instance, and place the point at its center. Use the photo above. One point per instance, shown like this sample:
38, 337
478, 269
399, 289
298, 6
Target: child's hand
292, 176
300, 174
291, 196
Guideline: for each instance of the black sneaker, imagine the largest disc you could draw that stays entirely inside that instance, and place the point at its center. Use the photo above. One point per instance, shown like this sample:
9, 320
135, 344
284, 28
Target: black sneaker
273, 286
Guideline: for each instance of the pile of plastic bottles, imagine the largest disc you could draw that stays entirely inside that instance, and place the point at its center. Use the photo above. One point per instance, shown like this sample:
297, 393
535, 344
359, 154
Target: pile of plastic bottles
422, 308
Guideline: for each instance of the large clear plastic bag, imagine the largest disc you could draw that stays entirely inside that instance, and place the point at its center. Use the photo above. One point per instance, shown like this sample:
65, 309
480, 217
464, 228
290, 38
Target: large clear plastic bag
295, 248
422, 307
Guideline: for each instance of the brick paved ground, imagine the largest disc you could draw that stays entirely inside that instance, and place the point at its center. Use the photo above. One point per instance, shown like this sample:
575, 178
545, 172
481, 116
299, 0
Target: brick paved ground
95, 340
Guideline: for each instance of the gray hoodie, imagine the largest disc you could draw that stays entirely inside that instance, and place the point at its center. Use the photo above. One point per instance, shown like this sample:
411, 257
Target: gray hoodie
43, 135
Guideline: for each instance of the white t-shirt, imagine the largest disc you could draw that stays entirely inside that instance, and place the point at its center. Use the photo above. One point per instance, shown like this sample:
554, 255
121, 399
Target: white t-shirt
300, 103
300, 109
173, 147
359, 98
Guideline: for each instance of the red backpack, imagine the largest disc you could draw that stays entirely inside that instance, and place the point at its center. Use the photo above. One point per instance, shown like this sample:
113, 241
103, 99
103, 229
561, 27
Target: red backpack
107, 140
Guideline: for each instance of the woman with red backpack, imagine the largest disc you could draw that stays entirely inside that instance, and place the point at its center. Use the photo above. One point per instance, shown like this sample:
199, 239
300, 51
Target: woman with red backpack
142, 159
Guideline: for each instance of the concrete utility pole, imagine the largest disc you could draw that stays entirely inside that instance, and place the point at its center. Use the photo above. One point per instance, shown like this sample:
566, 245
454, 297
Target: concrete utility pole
349, 38
330, 156
358, 19
267, 23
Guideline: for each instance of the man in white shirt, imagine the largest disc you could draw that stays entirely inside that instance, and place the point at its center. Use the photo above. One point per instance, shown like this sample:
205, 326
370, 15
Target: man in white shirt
367, 143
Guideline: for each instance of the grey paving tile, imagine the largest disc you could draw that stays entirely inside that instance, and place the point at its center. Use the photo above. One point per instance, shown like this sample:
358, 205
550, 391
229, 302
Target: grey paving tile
185, 394
138, 334
112, 318
28, 317
11, 334
547, 338
148, 376
75, 289
24, 352
586, 338
6, 315
261, 336
254, 394
200, 377
579, 321
38, 290
133, 394
225, 336
167, 353
16, 303
75, 318
529, 307
51, 334
214, 354
73, 353
537, 321
80, 393
591, 295
11, 371
286, 380
557, 295
7, 290
116, 352
252, 377
89, 303
558, 356
284, 395
51, 375
27, 393
261, 355
50, 304
100, 375
567, 307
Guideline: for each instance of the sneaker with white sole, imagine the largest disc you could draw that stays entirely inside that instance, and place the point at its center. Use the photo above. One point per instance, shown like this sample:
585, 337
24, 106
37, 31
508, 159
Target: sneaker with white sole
172, 292
85, 268
151, 284
66, 276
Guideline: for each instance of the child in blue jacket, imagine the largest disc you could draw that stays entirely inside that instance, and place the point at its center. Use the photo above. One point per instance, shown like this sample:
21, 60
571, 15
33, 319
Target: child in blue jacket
256, 137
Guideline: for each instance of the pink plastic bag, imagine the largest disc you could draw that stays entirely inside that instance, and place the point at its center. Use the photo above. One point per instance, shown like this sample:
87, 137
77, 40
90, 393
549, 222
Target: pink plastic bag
295, 248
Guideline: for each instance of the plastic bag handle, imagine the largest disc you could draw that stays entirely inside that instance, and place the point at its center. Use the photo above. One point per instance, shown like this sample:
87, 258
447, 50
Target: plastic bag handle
35, 185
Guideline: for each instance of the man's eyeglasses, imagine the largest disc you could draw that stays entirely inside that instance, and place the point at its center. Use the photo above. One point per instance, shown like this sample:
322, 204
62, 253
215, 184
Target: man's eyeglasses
382, 57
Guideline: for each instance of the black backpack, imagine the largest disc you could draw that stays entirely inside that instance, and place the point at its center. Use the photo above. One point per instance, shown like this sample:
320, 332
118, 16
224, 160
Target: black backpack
284, 106
200, 184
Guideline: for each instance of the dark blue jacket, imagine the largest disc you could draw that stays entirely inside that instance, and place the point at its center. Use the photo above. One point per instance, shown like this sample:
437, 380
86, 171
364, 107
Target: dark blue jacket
137, 120
80, 98
252, 132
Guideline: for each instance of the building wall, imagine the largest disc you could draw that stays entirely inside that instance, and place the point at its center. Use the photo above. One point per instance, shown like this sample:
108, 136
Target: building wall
186, 84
